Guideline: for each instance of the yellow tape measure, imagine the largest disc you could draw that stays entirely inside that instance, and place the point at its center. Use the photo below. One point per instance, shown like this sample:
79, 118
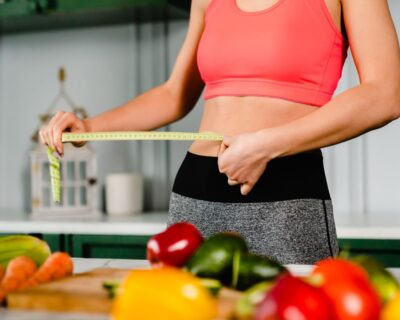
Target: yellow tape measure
140, 135
118, 136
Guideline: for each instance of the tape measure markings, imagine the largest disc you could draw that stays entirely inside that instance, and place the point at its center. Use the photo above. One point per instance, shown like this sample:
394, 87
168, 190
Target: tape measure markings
140, 135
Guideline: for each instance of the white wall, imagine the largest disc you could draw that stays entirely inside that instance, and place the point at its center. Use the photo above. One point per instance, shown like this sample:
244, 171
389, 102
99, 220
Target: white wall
106, 66
364, 173
96, 63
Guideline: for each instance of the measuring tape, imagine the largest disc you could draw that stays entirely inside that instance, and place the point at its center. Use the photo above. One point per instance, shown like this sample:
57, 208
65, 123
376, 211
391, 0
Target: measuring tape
140, 135
55, 175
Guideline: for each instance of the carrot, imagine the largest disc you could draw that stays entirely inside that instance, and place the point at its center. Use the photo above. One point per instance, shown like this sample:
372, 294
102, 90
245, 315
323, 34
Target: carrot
1, 273
19, 270
57, 266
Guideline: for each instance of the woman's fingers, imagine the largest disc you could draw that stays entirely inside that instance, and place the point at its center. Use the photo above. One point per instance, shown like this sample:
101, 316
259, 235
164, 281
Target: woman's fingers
245, 188
233, 182
222, 148
227, 140
67, 120
43, 136
224, 145
51, 135
47, 132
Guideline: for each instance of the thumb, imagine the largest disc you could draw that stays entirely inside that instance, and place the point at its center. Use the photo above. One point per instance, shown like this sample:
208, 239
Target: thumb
224, 145
222, 148
245, 188
227, 140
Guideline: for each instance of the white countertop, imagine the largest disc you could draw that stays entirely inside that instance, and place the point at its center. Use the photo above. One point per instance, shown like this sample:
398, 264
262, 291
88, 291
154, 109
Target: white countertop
141, 224
369, 226
375, 226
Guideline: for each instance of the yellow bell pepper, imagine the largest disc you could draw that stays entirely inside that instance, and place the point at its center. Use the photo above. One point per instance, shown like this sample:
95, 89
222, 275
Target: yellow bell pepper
167, 293
391, 311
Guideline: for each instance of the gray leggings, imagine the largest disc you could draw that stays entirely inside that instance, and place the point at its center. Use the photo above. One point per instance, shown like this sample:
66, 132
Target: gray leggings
288, 216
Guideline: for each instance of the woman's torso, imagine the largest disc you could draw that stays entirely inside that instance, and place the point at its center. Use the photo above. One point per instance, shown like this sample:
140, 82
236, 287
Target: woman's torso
233, 115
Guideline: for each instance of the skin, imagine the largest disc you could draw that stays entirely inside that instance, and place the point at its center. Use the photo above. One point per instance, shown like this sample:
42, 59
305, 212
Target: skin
259, 129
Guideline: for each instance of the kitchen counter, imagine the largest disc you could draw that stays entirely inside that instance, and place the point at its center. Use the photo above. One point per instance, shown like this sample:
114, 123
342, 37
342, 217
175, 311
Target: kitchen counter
348, 226
141, 224
369, 226
82, 265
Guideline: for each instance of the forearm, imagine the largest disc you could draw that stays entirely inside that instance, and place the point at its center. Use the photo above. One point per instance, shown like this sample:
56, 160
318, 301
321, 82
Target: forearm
149, 110
348, 115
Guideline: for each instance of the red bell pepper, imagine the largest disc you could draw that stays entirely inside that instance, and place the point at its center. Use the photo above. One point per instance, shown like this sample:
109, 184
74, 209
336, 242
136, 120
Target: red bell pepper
174, 246
293, 299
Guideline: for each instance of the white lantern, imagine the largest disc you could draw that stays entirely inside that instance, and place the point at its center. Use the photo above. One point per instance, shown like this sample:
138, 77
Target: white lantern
78, 183
78, 168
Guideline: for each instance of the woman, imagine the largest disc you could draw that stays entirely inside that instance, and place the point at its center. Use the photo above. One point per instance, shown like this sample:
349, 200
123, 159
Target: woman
269, 68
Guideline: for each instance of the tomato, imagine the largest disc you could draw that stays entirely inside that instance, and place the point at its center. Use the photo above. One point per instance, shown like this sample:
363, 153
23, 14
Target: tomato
348, 287
353, 301
333, 270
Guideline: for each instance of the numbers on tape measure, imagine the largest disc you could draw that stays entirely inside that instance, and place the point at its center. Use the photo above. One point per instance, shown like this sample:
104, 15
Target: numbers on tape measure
140, 135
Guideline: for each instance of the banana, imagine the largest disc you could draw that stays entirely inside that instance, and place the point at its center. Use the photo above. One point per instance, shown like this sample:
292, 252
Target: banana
23, 245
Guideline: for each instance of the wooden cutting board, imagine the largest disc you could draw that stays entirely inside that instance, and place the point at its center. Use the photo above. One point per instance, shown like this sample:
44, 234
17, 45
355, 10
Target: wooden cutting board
84, 293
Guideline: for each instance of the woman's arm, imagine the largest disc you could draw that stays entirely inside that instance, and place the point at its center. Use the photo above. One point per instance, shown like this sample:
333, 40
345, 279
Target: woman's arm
170, 101
152, 109
372, 104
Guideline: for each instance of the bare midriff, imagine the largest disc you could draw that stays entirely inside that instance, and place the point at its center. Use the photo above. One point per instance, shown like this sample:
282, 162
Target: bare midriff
231, 115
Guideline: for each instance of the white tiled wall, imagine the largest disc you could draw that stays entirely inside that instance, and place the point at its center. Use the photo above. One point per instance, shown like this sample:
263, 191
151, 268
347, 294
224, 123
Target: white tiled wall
106, 66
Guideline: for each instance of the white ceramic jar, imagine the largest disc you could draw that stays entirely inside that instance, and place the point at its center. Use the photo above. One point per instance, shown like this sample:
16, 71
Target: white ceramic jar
124, 194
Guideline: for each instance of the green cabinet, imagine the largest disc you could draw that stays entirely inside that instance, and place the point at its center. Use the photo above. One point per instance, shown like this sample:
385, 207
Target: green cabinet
106, 246
34, 15
97, 246
17, 8
386, 251
55, 241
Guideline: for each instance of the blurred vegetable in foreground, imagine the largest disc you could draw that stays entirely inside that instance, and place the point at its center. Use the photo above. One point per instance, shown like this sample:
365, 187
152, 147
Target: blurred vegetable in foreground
214, 258
23, 245
175, 246
392, 310
292, 298
347, 286
383, 281
19, 270
59, 265
253, 296
165, 293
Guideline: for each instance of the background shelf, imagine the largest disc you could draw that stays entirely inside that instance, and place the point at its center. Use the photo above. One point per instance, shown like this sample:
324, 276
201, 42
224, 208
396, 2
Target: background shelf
36, 15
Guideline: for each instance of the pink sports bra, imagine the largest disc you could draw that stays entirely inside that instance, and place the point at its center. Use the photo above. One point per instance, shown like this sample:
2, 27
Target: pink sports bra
291, 50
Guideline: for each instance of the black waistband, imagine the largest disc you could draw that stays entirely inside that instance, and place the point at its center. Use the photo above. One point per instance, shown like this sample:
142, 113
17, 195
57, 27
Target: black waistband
300, 176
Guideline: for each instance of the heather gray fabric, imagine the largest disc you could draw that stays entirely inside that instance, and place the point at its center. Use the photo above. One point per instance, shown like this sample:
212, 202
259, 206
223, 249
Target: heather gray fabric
300, 231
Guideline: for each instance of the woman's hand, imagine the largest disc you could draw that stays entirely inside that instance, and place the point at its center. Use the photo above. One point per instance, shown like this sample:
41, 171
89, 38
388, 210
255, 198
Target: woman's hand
62, 121
244, 158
